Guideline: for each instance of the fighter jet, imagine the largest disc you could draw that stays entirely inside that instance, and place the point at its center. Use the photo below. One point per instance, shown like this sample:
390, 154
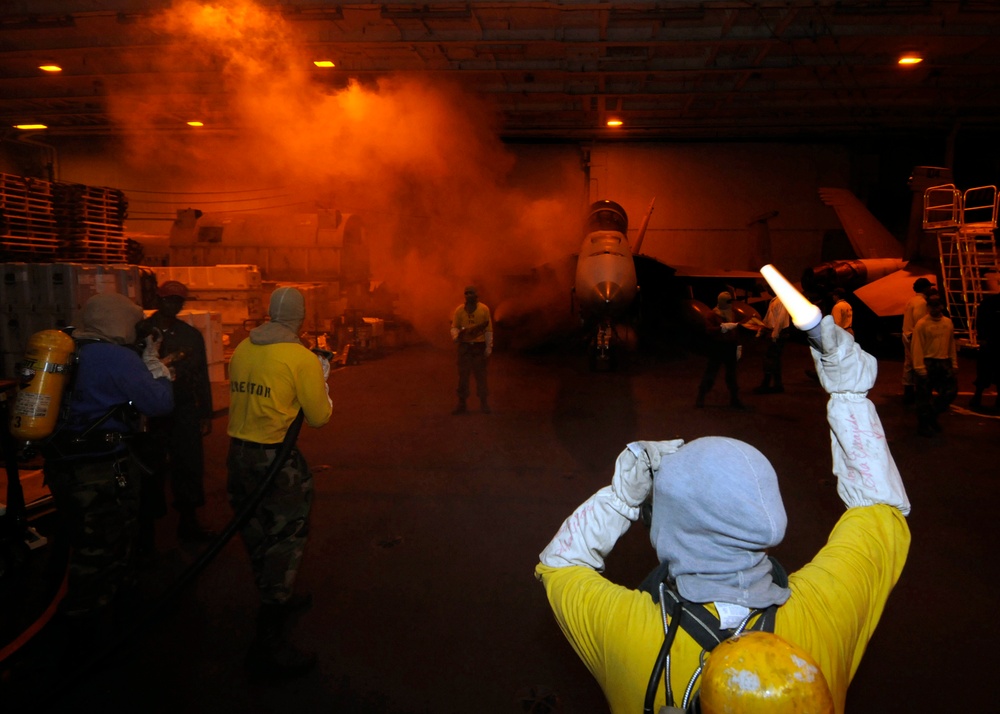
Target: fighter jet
605, 285
614, 289
882, 274
607, 292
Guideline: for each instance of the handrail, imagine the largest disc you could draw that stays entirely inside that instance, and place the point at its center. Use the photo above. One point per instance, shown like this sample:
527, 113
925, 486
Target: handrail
942, 206
979, 208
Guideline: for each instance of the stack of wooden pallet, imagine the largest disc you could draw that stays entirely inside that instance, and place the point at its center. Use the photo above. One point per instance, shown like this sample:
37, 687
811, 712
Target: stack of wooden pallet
28, 226
92, 220
56, 221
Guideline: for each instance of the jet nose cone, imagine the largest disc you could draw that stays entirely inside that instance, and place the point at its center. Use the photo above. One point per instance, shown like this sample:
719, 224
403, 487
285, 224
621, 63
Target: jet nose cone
608, 291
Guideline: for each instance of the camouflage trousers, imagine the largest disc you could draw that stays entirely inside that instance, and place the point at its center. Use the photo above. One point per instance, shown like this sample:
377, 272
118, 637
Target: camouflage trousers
275, 535
97, 500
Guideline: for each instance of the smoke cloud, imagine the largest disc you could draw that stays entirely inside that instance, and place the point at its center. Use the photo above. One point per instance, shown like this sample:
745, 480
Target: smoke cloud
420, 162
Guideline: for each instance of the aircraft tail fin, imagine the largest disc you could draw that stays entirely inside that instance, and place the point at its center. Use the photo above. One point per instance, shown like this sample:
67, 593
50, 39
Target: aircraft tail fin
643, 227
869, 238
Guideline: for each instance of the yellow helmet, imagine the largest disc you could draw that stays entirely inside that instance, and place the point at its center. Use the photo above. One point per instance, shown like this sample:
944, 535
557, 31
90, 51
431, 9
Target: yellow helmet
760, 673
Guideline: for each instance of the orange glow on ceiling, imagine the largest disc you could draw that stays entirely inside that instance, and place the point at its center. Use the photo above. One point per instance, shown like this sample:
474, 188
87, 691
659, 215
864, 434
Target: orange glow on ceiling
324, 63
50, 68
30, 126
196, 123
615, 122
909, 59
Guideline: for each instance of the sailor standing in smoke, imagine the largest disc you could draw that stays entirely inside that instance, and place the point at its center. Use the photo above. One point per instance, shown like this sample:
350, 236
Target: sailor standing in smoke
472, 330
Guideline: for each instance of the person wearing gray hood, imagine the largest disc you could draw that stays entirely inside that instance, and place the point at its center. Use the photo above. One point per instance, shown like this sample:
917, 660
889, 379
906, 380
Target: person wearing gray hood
89, 466
716, 510
272, 375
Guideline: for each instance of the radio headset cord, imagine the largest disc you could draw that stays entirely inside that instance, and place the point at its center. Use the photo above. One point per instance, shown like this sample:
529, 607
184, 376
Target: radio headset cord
237, 522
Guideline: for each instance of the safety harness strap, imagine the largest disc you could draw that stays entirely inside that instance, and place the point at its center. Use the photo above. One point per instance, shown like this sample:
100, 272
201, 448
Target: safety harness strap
699, 622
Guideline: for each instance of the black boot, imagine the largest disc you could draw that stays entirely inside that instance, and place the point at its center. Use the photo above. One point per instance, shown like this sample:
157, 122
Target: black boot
271, 655
461, 408
909, 394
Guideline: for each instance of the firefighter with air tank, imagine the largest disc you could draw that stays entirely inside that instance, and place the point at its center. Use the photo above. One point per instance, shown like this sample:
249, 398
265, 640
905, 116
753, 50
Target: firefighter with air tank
80, 400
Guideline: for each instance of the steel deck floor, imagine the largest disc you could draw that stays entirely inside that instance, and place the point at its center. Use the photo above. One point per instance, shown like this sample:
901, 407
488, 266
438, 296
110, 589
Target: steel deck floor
426, 528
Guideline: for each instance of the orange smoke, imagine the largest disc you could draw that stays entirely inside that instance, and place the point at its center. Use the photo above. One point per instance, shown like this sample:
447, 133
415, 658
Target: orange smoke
421, 163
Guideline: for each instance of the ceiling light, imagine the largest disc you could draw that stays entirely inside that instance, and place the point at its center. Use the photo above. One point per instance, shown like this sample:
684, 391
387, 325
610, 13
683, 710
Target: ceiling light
30, 126
324, 63
908, 59
615, 122
50, 68
196, 123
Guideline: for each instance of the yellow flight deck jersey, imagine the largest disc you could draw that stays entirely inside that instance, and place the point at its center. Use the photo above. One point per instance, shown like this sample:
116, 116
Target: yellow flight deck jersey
474, 326
836, 602
267, 386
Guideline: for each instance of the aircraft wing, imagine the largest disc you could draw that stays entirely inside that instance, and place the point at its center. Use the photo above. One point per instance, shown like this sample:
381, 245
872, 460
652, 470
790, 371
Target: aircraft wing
700, 271
887, 296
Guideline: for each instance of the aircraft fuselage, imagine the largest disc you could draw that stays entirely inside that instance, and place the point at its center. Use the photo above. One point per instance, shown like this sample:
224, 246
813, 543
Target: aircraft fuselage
605, 274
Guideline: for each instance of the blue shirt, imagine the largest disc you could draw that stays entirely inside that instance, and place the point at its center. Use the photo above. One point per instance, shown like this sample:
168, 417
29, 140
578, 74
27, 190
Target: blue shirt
108, 375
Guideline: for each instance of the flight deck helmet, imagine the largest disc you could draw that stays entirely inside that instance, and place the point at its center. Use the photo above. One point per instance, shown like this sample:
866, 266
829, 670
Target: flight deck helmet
761, 673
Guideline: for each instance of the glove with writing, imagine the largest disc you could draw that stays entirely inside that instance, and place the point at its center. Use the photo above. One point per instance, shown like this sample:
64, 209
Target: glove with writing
587, 536
865, 470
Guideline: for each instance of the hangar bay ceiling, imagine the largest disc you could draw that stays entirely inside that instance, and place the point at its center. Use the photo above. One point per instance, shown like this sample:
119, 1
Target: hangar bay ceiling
756, 69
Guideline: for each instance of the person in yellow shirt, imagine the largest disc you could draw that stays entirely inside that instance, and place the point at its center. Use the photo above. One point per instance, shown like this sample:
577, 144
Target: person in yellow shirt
272, 375
472, 331
843, 313
935, 362
716, 509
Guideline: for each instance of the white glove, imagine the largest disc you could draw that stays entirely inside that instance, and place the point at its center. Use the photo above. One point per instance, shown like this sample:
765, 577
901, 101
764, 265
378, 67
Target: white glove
489, 343
587, 536
152, 348
634, 469
455, 332
151, 357
739, 351
865, 470
727, 326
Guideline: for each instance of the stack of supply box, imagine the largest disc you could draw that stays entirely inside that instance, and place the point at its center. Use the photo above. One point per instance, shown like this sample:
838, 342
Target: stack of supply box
50, 296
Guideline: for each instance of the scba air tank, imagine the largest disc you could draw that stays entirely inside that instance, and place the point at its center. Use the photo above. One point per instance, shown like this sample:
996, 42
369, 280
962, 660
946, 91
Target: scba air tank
42, 376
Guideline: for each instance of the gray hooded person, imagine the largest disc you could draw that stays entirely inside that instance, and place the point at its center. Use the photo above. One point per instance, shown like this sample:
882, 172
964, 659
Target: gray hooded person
273, 376
714, 519
716, 510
